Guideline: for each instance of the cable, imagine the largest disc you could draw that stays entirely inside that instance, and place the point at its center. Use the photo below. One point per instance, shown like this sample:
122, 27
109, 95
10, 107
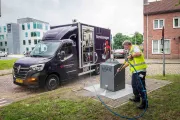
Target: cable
124, 117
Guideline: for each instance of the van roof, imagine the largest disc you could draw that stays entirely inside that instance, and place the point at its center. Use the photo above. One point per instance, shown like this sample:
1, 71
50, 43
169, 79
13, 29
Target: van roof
58, 33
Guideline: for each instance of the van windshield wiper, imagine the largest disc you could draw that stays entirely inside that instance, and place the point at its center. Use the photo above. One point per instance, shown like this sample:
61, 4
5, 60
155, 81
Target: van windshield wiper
37, 56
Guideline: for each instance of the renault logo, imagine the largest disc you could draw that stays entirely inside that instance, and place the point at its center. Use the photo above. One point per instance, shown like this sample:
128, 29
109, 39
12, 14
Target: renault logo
18, 68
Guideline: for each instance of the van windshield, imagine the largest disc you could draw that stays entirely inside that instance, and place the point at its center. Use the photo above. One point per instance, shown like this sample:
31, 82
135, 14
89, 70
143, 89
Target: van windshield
45, 49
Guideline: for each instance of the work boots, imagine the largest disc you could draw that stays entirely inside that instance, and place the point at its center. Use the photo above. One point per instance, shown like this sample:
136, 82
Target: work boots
135, 99
143, 105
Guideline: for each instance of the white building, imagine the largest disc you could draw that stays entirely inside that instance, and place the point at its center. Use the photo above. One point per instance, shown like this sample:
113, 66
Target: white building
31, 32
20, 37
3, 38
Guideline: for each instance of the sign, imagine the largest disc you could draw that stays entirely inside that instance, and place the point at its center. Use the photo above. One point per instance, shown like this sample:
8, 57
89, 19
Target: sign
106, 69
162, 40
102, 37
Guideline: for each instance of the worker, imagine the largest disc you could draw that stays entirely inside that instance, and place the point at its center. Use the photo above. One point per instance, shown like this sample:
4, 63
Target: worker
136, 58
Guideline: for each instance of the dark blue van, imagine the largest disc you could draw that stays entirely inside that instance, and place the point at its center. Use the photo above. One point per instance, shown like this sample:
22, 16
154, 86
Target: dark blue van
65, 52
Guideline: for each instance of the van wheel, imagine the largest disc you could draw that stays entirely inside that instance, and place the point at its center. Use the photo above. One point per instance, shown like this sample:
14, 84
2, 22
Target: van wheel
52, 82
97, 70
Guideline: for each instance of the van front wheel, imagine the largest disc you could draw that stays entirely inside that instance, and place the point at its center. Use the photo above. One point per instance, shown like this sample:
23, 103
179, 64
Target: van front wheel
52, 82
97, 70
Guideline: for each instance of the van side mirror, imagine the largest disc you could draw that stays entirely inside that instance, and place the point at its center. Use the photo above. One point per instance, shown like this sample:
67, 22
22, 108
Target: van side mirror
61, 55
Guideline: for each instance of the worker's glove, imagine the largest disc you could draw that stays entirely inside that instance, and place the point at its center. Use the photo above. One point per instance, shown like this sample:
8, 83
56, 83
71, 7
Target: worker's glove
119, 69
130, 57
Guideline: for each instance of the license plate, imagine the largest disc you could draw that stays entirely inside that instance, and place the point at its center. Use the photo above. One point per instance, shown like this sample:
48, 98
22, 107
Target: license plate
19, 81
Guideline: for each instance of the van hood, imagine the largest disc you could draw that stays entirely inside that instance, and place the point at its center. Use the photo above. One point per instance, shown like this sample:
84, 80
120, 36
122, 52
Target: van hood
28, 61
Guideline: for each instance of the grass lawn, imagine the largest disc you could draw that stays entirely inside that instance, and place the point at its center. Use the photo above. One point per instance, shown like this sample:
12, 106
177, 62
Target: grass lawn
7, 64
62, 104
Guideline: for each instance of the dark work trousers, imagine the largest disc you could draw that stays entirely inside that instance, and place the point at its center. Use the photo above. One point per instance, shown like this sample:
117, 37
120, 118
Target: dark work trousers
137, 86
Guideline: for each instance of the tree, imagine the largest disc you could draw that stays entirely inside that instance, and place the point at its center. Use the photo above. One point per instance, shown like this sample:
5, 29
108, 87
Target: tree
137, 38
119, 39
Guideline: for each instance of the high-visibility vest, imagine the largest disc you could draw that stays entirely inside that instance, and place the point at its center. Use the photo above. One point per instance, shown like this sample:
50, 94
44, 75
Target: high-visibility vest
138, 62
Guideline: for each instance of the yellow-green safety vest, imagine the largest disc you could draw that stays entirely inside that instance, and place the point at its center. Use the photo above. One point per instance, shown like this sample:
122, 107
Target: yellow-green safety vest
137, 62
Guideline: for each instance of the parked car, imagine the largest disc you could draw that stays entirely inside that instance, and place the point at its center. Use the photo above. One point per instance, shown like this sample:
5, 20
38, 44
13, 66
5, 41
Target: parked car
3, 54
27, 53
119, 53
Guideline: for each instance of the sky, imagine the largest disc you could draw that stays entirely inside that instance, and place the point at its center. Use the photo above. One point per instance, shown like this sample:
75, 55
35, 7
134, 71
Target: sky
124, 16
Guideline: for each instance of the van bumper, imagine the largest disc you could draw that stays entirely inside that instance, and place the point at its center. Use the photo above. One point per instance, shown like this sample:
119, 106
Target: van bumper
33, 79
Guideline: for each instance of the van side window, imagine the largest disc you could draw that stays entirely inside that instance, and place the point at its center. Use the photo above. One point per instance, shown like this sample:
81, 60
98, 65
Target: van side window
67, 48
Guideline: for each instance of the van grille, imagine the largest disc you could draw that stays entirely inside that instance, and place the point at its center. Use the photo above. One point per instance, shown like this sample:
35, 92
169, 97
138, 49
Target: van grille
21, 72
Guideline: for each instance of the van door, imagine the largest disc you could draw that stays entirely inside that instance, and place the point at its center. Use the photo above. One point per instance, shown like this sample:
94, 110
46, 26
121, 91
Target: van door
70, 63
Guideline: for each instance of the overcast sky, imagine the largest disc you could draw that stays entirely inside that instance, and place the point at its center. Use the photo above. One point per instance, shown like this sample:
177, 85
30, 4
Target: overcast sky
125, 16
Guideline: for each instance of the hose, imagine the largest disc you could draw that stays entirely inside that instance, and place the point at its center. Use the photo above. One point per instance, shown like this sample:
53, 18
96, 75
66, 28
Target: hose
117, 114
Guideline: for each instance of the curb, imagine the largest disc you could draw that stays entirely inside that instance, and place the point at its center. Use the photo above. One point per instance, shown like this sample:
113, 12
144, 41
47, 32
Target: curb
162, 63
5, 74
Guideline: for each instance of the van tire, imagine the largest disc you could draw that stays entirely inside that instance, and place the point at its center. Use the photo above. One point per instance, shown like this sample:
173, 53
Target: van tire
97, 70
52, 82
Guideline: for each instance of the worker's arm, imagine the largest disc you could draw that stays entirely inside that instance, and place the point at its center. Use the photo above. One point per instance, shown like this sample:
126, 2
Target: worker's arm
137, 54
124, 66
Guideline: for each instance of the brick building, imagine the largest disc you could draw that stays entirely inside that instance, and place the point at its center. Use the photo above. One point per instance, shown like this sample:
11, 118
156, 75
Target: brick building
156, 15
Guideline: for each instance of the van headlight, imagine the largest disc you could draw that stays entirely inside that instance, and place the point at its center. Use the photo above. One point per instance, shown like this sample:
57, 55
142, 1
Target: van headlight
38, 67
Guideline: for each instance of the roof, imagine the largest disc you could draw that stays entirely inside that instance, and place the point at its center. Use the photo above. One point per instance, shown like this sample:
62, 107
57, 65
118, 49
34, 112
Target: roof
163, 6
58, 33
27, 19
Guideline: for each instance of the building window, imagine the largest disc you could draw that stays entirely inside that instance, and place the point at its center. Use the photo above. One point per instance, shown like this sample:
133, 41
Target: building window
176, 22
7, 36
27, 49
24, 42
39, 26
33, 34
4, 28
157, 47
29, 42
38, 34
1, 37
28, 25
46, 27
26, 34
23, 27
35, 41
32, 48
0, 29
158, 24
5, 43
1, 44
34, 25
39, 40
